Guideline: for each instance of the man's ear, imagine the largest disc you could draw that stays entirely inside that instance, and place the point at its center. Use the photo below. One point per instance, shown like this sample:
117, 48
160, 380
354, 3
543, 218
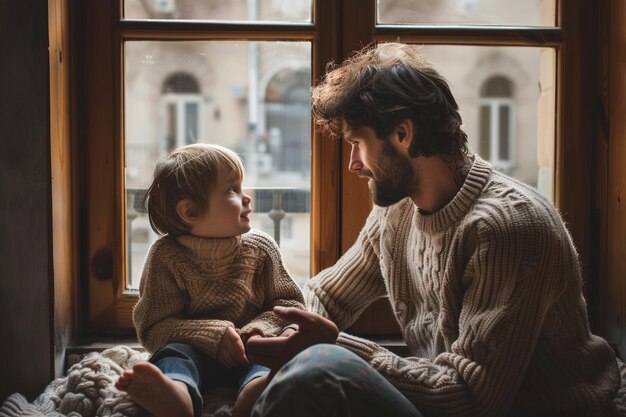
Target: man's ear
404, 133
185, 212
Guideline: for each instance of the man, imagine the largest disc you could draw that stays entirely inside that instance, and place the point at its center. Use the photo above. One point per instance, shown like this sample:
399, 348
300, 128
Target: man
480, 271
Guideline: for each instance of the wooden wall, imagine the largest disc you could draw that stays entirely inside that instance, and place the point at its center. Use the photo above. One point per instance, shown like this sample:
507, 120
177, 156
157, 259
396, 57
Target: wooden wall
36, 235
26, 361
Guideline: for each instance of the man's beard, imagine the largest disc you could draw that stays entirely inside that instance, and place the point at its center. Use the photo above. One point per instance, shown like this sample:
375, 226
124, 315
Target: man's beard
395, 178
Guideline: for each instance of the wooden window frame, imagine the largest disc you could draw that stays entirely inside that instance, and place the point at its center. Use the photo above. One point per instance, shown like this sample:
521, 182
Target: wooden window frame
608, 224
107, 306
340, 202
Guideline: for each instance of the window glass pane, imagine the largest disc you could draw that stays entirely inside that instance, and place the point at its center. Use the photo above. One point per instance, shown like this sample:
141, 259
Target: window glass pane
191, 123
514, 133
467, 12
485, 131
503, 149
171, 126
252, 97
286, 11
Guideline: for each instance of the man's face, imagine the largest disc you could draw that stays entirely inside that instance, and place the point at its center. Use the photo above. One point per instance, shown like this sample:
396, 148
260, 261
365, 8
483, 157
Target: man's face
391, 175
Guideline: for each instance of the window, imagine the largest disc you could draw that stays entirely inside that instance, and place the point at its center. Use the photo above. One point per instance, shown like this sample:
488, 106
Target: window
497, 123
287, 120
181, 108
467, 12
249, 96
160, 74
505, 94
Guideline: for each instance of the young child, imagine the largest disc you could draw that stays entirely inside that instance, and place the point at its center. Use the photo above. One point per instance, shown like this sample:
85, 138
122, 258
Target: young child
208, 284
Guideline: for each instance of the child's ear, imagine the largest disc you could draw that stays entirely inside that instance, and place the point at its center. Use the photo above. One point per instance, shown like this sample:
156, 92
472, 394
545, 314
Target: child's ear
185, 211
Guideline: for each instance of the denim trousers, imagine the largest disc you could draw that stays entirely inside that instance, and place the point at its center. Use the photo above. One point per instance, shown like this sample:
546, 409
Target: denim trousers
188, 364
330, 381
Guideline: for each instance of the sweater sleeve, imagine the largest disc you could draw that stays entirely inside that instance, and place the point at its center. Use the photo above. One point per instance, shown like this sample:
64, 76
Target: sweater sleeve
514, 283
341, 292
159, 314
279, 289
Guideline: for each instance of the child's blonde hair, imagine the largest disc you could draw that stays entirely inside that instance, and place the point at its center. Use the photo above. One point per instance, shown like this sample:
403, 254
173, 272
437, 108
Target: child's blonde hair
190, 173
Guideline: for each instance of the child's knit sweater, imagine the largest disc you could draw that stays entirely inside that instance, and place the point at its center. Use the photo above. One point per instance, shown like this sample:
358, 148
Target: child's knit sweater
193, 288
487, 293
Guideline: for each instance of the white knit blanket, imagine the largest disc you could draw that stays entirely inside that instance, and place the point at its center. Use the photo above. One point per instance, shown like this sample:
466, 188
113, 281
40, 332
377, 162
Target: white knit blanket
88, 390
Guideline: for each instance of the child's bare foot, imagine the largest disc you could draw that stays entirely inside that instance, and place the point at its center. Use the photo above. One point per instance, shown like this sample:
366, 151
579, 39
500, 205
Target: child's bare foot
160, 395
248, 396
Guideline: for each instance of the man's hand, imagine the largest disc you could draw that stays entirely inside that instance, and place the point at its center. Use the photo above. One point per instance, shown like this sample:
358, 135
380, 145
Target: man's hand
231, 351
274, 352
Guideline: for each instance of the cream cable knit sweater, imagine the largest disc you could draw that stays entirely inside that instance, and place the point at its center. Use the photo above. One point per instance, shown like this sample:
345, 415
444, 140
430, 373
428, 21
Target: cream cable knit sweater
487, 292
192, 289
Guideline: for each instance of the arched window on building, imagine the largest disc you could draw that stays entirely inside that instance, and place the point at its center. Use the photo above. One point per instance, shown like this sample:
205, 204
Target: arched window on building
181, 106
287, 121
496, 122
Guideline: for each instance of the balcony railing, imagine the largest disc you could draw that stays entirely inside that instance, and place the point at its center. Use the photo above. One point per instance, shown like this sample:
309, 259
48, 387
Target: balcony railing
275, 202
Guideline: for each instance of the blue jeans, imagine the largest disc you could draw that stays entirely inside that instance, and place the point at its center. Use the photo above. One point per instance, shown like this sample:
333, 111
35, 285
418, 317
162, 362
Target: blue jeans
330, 381
198, 371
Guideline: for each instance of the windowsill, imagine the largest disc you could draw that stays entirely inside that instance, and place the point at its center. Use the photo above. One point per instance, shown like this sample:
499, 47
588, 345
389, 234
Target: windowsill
98, 345
74, 353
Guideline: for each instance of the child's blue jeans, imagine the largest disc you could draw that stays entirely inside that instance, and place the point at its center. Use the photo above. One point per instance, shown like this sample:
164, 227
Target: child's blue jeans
198, 371
330, 381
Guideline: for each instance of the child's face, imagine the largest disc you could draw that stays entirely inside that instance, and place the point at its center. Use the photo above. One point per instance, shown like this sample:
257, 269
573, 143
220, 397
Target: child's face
227, 215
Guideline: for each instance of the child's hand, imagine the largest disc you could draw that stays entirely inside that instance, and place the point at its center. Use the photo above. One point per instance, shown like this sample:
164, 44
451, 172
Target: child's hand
253, 332
231, 351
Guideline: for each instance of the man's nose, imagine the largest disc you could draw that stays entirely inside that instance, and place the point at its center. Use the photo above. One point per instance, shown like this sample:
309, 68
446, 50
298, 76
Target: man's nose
355, 164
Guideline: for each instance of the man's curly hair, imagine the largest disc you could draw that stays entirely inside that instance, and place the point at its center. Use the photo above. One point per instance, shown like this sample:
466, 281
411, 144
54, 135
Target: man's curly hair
381, 86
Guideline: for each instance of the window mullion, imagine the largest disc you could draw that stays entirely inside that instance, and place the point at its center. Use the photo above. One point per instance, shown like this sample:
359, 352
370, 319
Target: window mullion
495, 143
166, 30
471, 35
326, 153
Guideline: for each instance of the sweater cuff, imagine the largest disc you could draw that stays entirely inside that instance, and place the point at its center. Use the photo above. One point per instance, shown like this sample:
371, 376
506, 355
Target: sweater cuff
216, 333
361, 347
260, 327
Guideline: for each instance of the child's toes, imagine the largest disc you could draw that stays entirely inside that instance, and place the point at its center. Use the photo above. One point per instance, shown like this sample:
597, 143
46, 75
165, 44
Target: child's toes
121, 385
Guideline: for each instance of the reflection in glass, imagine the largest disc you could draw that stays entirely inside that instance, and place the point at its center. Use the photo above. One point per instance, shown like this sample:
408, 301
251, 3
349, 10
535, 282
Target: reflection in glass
252, 97
467, 12
506, 100
286, 11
